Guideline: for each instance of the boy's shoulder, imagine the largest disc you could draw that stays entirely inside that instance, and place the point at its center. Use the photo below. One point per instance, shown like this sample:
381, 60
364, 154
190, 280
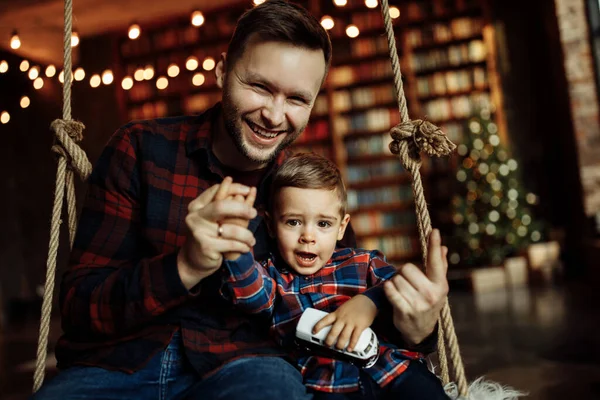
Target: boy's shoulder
342, 254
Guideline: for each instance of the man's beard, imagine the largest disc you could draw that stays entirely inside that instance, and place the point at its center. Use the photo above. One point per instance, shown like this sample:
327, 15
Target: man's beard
234, 126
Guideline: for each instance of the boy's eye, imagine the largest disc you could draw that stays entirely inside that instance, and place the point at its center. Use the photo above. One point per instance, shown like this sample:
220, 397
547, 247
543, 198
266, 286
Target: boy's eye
324, 224
292, 222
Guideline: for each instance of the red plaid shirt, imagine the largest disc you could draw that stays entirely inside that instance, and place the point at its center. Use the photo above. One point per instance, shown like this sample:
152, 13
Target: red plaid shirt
122, 299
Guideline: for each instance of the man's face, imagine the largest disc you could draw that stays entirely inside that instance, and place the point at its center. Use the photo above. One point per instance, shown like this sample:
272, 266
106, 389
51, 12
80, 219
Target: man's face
268, 95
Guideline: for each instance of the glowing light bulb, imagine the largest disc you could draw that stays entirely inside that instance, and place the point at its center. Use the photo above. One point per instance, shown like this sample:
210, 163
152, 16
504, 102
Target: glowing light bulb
34, 72
127, 83
107, 77
208, 64
197, 18
25, 102
24, 66
95, 81
79, 74
394, 12
327, 22
138, 75
198, 79
148, 72
4, 117
258, 2
352, 31
74, 39
340, 3
50, 71
38, 83
3, 66
134, 31
191, 63
173, 70
371, 3
162, 83
15, 41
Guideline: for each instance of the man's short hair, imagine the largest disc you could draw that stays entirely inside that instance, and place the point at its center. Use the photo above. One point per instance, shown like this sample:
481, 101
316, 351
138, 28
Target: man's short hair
279, 21
309, 171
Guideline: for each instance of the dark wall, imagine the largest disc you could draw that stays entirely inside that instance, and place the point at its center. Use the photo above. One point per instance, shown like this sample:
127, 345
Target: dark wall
539, 117
27, 180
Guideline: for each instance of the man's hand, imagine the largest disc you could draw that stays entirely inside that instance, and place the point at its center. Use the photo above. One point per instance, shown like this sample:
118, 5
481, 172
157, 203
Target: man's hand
418, 297
349, 321
223, 193
206, 241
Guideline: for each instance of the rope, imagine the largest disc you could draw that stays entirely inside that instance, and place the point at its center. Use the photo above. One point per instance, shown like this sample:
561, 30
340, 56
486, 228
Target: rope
410, 138
67, 134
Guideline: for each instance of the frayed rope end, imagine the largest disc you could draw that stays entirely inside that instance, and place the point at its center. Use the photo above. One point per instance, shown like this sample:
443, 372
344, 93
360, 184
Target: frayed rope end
481, 389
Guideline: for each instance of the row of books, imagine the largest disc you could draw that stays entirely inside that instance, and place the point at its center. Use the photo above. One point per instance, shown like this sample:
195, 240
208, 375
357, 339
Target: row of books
321, 106
456, 107
347, 75
362, 47
346, 100
217, 27
375, 120
451, 56
450, 82
382, 195
393, 247
439, 33
374, 221
383, 169
316, 130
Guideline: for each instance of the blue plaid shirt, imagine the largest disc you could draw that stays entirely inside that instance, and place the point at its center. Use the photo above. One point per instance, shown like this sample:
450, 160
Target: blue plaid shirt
271, 290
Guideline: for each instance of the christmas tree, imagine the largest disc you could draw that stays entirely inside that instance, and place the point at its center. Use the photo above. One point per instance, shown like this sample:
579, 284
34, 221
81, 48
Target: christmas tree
493, 215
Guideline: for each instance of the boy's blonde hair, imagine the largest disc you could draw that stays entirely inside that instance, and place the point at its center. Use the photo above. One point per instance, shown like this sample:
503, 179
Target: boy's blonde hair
309, 171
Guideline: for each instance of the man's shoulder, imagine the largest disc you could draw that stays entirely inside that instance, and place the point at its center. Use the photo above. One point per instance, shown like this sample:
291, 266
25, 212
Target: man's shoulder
170, 127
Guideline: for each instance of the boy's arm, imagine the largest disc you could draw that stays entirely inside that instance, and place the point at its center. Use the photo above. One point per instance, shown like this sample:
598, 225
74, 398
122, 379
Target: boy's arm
248, 285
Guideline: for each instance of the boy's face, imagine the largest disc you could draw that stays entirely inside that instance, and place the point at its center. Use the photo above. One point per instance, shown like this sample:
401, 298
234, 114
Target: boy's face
268, 95
307, 223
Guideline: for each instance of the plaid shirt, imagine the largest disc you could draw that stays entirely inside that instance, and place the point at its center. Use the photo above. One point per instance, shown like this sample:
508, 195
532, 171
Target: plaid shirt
122, 298
273, 291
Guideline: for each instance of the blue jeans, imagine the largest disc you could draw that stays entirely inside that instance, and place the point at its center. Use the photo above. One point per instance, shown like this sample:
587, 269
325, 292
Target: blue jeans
416, 383
168, 375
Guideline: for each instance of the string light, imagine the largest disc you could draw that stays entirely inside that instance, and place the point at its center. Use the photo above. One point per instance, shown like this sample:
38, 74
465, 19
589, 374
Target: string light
191, 63
107, 77
79, 74
173, 70
198, 79
371, 3
50, 71
340, 3
258, 2
208, 64
394, 12
74, 39
4, 117
197, 18
352, 31
15, 41
148, 72
3, 66
327, 22
25, 102
95, 81
134, 31
24, 66
138, 75
34, 72
127, 83
162, 83
38, 83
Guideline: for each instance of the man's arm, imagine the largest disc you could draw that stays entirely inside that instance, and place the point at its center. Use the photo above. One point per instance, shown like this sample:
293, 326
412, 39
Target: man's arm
249, 286
112, 285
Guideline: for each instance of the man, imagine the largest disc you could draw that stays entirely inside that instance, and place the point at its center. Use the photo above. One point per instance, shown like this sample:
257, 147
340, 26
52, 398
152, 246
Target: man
142, 316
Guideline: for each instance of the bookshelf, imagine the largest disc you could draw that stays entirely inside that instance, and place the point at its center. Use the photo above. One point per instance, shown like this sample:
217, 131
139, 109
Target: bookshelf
448, 59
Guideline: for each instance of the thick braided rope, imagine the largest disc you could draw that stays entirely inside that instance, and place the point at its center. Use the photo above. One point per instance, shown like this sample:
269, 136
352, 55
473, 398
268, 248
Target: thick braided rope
67, 134
424, 136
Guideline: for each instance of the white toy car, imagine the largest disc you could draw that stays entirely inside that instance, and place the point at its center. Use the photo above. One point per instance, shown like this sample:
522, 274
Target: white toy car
364, 354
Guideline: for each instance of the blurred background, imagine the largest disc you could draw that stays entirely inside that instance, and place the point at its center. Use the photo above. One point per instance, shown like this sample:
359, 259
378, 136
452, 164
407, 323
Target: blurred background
514, 84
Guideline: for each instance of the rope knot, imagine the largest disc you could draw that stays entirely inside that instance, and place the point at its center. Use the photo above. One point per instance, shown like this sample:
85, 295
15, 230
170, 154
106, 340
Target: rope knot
426, 136
68, 134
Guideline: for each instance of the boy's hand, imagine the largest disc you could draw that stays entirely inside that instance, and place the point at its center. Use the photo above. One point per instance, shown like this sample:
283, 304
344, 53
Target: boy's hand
418, 297
225, 193
349, 321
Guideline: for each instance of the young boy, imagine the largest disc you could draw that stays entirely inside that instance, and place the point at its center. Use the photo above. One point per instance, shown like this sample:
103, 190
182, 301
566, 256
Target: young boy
307, 216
